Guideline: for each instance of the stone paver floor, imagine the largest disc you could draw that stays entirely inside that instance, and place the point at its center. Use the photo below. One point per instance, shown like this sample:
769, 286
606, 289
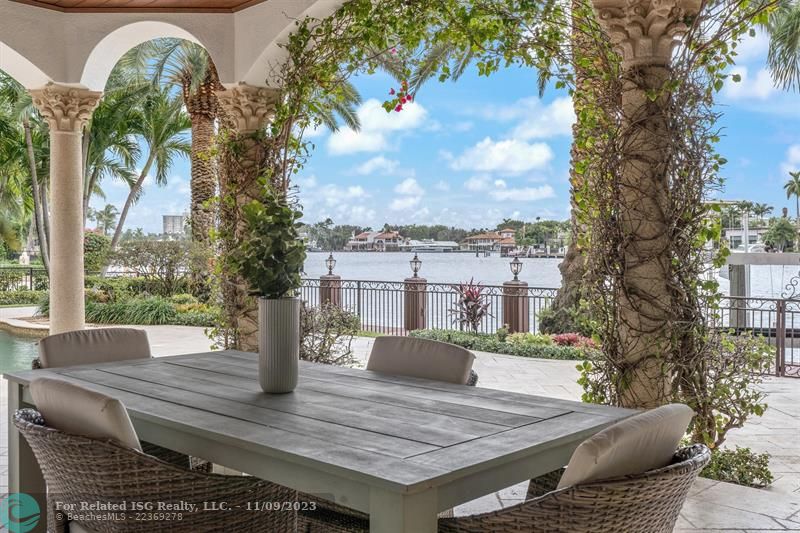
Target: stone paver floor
712, 506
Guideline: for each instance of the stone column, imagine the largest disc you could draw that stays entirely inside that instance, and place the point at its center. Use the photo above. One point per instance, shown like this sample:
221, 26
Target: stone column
516, 306
246, 113
415, 299
66, 110
644, 33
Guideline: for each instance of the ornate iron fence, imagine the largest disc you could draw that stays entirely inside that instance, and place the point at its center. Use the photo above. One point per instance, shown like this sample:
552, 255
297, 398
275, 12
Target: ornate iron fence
382, 308
381, 305
35, 279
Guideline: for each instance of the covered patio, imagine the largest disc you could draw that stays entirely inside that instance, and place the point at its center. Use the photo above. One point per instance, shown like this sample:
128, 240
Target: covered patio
64, 51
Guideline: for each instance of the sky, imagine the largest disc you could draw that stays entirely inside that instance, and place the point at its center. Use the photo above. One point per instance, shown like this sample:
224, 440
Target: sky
473, 152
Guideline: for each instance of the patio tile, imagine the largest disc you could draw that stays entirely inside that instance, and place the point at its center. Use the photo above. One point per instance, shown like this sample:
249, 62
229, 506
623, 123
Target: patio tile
703, 514
747, 499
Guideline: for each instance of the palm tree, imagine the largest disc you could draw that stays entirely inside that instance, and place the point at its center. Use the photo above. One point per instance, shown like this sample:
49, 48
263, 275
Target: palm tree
188, 67
783, 58
30, 149
792, 188
761, 211
161, 128
105, 218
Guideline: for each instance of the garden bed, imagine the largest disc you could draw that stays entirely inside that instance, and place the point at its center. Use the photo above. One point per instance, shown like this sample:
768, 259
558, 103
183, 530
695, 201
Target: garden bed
565, 346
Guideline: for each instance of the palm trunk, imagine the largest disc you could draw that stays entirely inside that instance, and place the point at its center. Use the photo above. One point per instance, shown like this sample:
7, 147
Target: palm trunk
129, 200
204, 177
87, 194
46, 210
37, 199
645, 311
202, 105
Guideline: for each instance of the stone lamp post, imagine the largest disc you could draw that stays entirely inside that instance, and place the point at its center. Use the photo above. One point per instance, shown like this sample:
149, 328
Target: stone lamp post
516, 306
416, 297
330, 285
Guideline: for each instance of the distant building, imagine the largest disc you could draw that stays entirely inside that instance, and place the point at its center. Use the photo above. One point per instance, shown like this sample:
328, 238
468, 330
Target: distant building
375, 241
174, 224
735, 236
495, 241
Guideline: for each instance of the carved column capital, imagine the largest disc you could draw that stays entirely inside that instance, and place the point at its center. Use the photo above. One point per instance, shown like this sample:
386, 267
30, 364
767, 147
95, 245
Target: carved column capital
248, 108
644, 32
66, 109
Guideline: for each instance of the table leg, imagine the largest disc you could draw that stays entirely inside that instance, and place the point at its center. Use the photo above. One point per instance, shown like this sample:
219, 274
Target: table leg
390, 512
24, 474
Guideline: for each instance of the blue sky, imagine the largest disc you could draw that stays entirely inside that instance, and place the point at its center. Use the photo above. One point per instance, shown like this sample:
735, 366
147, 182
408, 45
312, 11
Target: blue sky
473, 152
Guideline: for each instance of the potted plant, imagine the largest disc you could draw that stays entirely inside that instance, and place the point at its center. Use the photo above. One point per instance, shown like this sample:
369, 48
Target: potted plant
270, 259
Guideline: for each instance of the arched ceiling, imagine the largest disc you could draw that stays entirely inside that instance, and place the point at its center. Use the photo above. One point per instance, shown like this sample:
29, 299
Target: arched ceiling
152, 6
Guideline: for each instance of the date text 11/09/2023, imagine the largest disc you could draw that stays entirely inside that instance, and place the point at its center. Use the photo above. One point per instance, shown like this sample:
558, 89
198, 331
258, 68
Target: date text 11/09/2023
185, 507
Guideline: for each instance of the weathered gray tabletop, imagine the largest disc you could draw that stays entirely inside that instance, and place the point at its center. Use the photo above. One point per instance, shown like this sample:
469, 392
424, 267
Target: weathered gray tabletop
401, 449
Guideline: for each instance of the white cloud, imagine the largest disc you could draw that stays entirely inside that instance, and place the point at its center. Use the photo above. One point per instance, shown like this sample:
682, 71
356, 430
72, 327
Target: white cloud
377, 165
792, 161
542, 122
509, 156
537, 120
524, 194
409, 186
376, 127
759, 87
477, 183
753, 48
404, 202
442, 185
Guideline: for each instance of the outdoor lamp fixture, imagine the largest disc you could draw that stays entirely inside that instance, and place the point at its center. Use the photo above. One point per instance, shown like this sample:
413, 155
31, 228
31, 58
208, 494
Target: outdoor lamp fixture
416, 264
516, 268
330, 262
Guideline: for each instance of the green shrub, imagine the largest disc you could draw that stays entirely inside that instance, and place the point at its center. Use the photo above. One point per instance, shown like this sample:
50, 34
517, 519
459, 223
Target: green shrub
530, 339
326, 334
564, 321
136, 311
741, 466
204, 319
11, 279
21, 297
183, 299
485, 342
96, 251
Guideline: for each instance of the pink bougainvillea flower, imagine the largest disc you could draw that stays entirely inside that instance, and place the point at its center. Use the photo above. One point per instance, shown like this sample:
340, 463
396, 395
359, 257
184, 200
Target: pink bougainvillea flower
393, 51
399, 108
391, 91
409, 98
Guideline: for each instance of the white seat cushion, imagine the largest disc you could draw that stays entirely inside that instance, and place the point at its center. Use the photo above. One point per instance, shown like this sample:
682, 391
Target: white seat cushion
80, 411
640, 443
421, 358
93, 346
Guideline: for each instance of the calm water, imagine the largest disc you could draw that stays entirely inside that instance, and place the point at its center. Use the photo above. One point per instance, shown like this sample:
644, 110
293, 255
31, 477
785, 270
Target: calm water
16, 353
765, 281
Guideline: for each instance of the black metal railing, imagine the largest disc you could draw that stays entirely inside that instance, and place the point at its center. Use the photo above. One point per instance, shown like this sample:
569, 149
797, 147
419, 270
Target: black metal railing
380, 306
17, 278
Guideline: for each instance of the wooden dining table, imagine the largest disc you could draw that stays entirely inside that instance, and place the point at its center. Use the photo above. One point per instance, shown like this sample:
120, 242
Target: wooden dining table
401, 449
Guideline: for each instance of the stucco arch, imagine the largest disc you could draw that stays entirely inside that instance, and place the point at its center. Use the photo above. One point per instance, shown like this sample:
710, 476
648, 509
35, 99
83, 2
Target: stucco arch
21, 68
113, 46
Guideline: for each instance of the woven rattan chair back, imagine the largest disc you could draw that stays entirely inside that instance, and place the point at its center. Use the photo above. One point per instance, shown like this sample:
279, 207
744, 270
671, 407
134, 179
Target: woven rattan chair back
79, 469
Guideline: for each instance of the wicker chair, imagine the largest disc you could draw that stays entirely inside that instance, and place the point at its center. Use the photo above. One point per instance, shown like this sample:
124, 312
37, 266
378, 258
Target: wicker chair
642, 503
108, 345
82, 469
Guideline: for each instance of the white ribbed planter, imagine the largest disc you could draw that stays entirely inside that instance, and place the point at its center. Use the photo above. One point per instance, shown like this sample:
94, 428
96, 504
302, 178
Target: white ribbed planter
278, 344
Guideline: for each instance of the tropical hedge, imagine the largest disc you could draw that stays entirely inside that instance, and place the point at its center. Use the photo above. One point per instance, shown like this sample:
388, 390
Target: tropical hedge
566, 346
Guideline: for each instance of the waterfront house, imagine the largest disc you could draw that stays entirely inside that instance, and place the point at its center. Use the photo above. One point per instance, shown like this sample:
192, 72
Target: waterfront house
375, 241
502, 241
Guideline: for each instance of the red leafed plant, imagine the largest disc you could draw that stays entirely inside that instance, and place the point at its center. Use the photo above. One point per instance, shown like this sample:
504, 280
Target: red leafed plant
573, 339
472, 306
